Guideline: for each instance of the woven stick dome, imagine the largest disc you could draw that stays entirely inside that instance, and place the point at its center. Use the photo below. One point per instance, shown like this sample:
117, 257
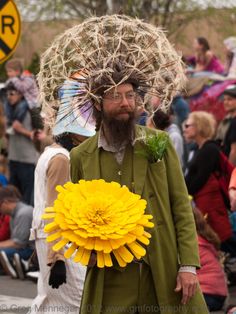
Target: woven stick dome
101, 53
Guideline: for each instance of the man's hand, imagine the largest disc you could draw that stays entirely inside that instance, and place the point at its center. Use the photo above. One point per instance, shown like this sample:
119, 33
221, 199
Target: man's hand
187, 282
57, 274
232, 196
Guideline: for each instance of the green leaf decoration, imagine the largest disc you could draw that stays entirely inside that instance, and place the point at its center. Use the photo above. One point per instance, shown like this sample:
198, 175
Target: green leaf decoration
154, 147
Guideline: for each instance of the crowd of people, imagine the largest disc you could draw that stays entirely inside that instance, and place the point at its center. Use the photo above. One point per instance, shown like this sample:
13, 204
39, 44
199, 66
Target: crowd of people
38, 160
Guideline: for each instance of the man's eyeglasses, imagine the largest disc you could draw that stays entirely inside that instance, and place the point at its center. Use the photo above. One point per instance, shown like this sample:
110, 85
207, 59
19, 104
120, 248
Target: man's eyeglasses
117, 98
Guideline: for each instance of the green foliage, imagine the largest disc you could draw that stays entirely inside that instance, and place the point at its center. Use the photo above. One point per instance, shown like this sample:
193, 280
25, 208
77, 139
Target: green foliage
34, 64
155, 146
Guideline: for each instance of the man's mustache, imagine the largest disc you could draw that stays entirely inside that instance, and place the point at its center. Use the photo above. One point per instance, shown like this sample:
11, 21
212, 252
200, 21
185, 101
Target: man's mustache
125, 111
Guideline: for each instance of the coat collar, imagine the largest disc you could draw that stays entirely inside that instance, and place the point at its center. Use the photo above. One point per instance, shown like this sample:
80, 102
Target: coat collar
91, 163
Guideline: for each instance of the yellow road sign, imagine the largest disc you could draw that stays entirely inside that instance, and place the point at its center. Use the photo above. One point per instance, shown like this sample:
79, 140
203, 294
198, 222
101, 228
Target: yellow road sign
10, 28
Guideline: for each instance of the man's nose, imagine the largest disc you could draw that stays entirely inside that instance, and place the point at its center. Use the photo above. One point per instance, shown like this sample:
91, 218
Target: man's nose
124, 102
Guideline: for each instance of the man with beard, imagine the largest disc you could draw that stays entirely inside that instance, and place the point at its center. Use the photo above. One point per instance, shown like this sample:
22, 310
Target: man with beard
168, 271
107, 64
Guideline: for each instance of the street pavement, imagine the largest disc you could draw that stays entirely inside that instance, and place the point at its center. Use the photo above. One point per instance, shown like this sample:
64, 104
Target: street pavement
16, 295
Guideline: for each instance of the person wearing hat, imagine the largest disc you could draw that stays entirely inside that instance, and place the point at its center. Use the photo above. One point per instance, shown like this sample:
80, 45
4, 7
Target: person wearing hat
51, 170
226, 132
119, 58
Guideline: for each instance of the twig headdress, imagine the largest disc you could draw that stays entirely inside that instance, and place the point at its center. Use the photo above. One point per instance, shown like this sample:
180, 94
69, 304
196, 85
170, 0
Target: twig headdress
101, 53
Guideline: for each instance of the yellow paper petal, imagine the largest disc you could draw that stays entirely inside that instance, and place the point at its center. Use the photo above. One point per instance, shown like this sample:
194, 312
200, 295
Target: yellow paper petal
119, 259
98, 246
89, 244
52, 226
59, 245
49, 210
144, 240
69, 234
100, 259
68, 253
149, 224
130, 238
147, 234
107, 260
107, 248
48, 216
115, 244
136, 249
78, 255
138, 231
125, 254
85, 257
54, 236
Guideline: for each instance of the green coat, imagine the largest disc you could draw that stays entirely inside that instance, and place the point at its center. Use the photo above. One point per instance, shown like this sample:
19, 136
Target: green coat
173, 241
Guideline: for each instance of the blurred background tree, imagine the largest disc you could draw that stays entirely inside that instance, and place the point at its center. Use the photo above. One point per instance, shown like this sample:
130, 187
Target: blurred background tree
170, 14
33, 67
183, 20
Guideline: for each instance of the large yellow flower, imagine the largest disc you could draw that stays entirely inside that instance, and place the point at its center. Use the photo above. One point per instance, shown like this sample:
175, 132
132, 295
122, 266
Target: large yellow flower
98, 216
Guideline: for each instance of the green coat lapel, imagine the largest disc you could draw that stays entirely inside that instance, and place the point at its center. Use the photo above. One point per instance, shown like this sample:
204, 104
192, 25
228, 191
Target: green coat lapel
90, 160
140, 164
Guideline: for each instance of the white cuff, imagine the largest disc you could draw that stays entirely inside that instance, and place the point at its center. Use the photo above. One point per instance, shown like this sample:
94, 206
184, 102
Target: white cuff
188, 269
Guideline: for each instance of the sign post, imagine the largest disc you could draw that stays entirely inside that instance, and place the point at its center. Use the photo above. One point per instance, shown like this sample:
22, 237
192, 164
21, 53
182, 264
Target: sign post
10, 28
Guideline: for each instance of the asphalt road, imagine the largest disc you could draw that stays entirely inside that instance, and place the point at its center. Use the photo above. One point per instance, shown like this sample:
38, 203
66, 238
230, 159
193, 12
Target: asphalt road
16, 295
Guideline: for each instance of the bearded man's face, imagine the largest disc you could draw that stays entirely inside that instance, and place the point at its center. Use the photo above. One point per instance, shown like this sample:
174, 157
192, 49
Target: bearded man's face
119, 113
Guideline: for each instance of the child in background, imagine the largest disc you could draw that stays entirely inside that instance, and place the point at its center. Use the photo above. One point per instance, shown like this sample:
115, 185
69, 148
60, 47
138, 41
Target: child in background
25, 84
211, 275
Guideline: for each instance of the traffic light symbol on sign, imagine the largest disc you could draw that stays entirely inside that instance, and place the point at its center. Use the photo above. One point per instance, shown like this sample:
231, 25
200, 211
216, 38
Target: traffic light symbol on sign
10, 27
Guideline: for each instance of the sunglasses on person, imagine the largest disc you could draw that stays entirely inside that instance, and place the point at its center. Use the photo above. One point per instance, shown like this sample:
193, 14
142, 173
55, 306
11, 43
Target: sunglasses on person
187, 125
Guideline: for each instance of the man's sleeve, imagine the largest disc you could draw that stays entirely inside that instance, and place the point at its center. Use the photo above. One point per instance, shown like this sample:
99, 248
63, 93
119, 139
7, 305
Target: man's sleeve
57, 174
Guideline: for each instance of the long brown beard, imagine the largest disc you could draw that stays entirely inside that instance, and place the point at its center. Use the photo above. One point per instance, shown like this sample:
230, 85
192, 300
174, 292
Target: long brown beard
120, 131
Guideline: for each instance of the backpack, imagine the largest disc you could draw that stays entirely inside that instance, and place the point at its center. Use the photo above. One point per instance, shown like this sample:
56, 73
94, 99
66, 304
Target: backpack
223, 176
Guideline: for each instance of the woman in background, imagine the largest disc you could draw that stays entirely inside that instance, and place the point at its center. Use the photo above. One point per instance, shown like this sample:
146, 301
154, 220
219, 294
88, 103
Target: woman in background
204, 59
201, 179
211, 275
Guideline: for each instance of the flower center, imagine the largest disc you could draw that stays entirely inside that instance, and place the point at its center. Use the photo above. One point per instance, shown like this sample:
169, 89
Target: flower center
98, 217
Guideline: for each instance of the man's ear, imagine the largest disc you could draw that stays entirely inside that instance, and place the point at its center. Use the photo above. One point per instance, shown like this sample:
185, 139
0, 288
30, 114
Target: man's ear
98, 106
